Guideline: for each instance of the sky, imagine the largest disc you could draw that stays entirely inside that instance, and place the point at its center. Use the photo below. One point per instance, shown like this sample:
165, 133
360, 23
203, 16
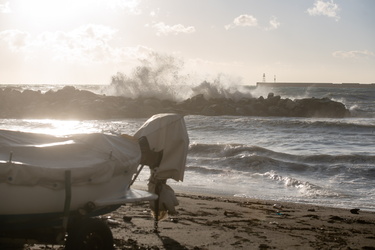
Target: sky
89, 41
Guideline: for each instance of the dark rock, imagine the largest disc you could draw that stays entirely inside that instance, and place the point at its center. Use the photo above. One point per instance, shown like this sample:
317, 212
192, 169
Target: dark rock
212, 110
72, 103
312, 107
354, 210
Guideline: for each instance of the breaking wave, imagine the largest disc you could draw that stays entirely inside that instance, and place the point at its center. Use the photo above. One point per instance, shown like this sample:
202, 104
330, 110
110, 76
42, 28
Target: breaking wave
252, 159
309, 176
164, 77
304, 187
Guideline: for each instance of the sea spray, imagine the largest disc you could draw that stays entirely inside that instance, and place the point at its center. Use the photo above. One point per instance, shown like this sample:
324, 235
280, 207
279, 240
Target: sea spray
161, 77
164, 77
217, 90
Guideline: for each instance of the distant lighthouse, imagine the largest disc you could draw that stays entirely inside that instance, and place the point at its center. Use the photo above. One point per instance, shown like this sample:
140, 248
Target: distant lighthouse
264, 77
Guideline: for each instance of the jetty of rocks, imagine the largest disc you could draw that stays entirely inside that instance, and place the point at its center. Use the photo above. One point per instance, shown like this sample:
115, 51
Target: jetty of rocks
72, 103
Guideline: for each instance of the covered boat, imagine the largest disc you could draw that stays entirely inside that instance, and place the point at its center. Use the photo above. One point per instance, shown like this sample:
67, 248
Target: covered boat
50, 184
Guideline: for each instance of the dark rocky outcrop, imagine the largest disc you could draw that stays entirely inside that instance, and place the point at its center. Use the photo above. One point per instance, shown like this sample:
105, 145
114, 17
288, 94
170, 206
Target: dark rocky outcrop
72, 103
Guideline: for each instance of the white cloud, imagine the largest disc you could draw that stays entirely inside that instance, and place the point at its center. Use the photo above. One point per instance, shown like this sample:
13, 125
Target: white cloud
5, 8
274, 23
155, 13
131, 6
89, 43
17, 40
244, 21
138, 53
353, 54
163, 29
85, 45
322, 8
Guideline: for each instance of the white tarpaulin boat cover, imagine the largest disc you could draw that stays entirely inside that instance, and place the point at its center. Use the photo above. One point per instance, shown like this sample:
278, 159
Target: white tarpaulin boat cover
167, 133
38, 159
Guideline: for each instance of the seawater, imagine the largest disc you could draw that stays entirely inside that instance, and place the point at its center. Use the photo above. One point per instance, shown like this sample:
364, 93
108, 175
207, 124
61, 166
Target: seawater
319, 161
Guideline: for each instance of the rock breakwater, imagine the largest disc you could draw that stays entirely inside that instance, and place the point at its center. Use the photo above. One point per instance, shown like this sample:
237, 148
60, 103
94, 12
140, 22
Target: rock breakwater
72, 103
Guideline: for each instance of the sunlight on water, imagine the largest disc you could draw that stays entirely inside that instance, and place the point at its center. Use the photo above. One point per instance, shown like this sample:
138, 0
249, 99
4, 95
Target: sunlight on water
69, 127
60, 127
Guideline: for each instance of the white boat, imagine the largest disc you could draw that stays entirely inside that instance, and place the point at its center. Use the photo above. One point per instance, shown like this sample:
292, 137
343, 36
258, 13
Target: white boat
48, 184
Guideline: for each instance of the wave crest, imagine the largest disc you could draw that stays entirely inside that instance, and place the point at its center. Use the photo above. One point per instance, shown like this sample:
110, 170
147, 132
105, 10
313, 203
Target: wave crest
304, 187
256, 159
164, 77
159, 77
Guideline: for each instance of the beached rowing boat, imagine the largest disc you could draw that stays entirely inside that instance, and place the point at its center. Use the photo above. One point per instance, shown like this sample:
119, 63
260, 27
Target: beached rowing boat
48, 184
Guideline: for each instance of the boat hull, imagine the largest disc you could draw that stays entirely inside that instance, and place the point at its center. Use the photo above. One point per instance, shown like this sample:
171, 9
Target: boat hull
43, 200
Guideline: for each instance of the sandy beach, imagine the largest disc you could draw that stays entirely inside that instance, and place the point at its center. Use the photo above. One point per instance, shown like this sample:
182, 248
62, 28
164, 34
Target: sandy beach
212, 222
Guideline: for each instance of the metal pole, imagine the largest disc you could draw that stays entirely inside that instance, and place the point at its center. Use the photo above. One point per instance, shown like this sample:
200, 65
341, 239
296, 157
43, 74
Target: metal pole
68, 198
136, 175
157, 191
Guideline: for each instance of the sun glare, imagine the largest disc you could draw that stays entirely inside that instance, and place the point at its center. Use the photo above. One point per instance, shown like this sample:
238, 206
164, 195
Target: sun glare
60, 127
45, 13
53, 13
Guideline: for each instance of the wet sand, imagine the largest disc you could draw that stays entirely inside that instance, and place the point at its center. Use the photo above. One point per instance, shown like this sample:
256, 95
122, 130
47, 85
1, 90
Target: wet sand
205, 222
211, 222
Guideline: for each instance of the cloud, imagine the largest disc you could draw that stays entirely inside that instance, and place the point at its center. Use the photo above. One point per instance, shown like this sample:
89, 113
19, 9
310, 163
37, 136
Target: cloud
132, 6
17, 40
244, 21
138, 53
5, 8
88, 43
155, 13
274, 23
353, 54
322, 8
163, 29
251, 21
85, 45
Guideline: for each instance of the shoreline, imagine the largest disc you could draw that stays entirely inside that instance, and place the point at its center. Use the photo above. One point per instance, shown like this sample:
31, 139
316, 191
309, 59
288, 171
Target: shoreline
222, 194
216, 222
